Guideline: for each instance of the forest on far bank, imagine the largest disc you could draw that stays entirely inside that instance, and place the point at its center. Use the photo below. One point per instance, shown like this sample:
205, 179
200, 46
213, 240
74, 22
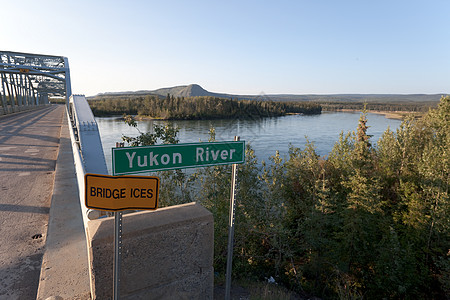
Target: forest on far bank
417, 107
202, 107
210, 107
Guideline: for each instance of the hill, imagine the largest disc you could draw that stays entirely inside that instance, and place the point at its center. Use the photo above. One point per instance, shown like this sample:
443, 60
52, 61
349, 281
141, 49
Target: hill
192, 90
195, 90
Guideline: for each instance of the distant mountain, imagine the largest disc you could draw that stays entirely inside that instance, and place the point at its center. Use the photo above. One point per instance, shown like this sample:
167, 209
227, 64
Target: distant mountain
191, 90
194, 90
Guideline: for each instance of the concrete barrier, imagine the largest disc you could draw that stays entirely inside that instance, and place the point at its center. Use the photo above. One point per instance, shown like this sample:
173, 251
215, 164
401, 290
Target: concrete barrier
65, 264
167, 254
64, 270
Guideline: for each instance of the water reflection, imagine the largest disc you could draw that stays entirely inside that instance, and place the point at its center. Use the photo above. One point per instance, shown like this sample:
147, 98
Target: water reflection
266, 135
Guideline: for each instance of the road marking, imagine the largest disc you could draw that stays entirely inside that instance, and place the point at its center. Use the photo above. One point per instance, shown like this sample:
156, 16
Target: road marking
24, 174
8, 148
31, 150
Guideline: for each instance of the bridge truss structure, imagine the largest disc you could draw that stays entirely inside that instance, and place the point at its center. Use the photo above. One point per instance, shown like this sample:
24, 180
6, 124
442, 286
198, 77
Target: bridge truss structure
28, 80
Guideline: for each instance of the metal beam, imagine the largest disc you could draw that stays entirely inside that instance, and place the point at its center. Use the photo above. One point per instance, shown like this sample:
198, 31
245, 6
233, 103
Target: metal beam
32, 78
31, 67
32, 72
4, 101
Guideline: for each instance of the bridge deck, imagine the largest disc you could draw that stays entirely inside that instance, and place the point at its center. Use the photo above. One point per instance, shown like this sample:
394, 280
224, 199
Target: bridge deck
29, 146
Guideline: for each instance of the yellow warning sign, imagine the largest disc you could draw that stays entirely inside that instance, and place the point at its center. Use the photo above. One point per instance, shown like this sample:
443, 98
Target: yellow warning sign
116, 193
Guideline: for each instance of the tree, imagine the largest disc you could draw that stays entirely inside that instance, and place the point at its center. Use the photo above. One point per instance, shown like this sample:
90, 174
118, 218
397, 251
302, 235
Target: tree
175, 184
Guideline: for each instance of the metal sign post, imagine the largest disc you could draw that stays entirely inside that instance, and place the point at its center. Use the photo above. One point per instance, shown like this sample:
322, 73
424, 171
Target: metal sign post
118, 193
117, 248
117, 253
131, 160
231, 229
129, 192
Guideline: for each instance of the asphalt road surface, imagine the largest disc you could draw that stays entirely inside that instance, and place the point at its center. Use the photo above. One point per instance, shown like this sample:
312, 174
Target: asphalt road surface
29, 145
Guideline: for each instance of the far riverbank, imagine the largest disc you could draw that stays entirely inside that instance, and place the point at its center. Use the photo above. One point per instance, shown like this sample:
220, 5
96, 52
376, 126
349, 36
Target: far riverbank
395, 115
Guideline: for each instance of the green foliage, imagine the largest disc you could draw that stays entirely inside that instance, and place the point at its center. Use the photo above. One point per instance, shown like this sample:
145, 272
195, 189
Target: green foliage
394, 105
166, 134
175, 184
364, 222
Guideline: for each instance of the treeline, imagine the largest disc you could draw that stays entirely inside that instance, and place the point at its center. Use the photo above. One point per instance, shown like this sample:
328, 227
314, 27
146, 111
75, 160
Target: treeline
57, 100
366, 222
380, 106
192, 108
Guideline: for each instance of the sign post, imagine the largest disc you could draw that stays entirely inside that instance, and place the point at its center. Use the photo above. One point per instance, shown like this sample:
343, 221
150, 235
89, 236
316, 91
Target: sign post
117, 193
117, 253
231, 229
117, 248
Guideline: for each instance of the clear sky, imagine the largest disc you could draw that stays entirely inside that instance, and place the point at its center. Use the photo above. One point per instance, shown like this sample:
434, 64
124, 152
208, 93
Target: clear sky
239, 47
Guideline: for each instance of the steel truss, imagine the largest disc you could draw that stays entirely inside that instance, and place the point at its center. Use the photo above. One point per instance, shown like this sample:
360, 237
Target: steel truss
30, 79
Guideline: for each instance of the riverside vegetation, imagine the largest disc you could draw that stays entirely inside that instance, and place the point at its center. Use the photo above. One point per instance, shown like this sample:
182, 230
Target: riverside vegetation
417, 107
193, 108
364, 222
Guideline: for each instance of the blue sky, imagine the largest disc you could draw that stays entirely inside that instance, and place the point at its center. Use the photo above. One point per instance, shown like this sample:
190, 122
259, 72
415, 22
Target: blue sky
240, 47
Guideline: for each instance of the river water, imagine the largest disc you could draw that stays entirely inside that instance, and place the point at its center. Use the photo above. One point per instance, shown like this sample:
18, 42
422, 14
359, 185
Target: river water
266, 135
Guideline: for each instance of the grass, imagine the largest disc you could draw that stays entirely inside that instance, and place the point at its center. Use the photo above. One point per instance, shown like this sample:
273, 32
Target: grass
269, 291
255, 290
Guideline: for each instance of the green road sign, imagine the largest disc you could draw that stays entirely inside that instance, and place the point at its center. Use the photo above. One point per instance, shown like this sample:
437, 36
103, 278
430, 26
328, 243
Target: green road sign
131, 160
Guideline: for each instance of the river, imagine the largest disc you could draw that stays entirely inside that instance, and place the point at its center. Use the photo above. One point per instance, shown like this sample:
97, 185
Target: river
266, 135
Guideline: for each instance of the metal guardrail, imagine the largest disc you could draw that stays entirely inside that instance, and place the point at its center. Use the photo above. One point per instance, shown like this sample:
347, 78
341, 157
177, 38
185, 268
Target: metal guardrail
87, 148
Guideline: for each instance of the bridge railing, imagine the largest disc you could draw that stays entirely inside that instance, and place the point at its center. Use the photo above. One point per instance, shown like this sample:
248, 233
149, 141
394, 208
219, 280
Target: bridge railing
87, 148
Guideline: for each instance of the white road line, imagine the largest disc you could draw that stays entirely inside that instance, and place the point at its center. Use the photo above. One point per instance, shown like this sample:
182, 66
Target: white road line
7, 148
31, 150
